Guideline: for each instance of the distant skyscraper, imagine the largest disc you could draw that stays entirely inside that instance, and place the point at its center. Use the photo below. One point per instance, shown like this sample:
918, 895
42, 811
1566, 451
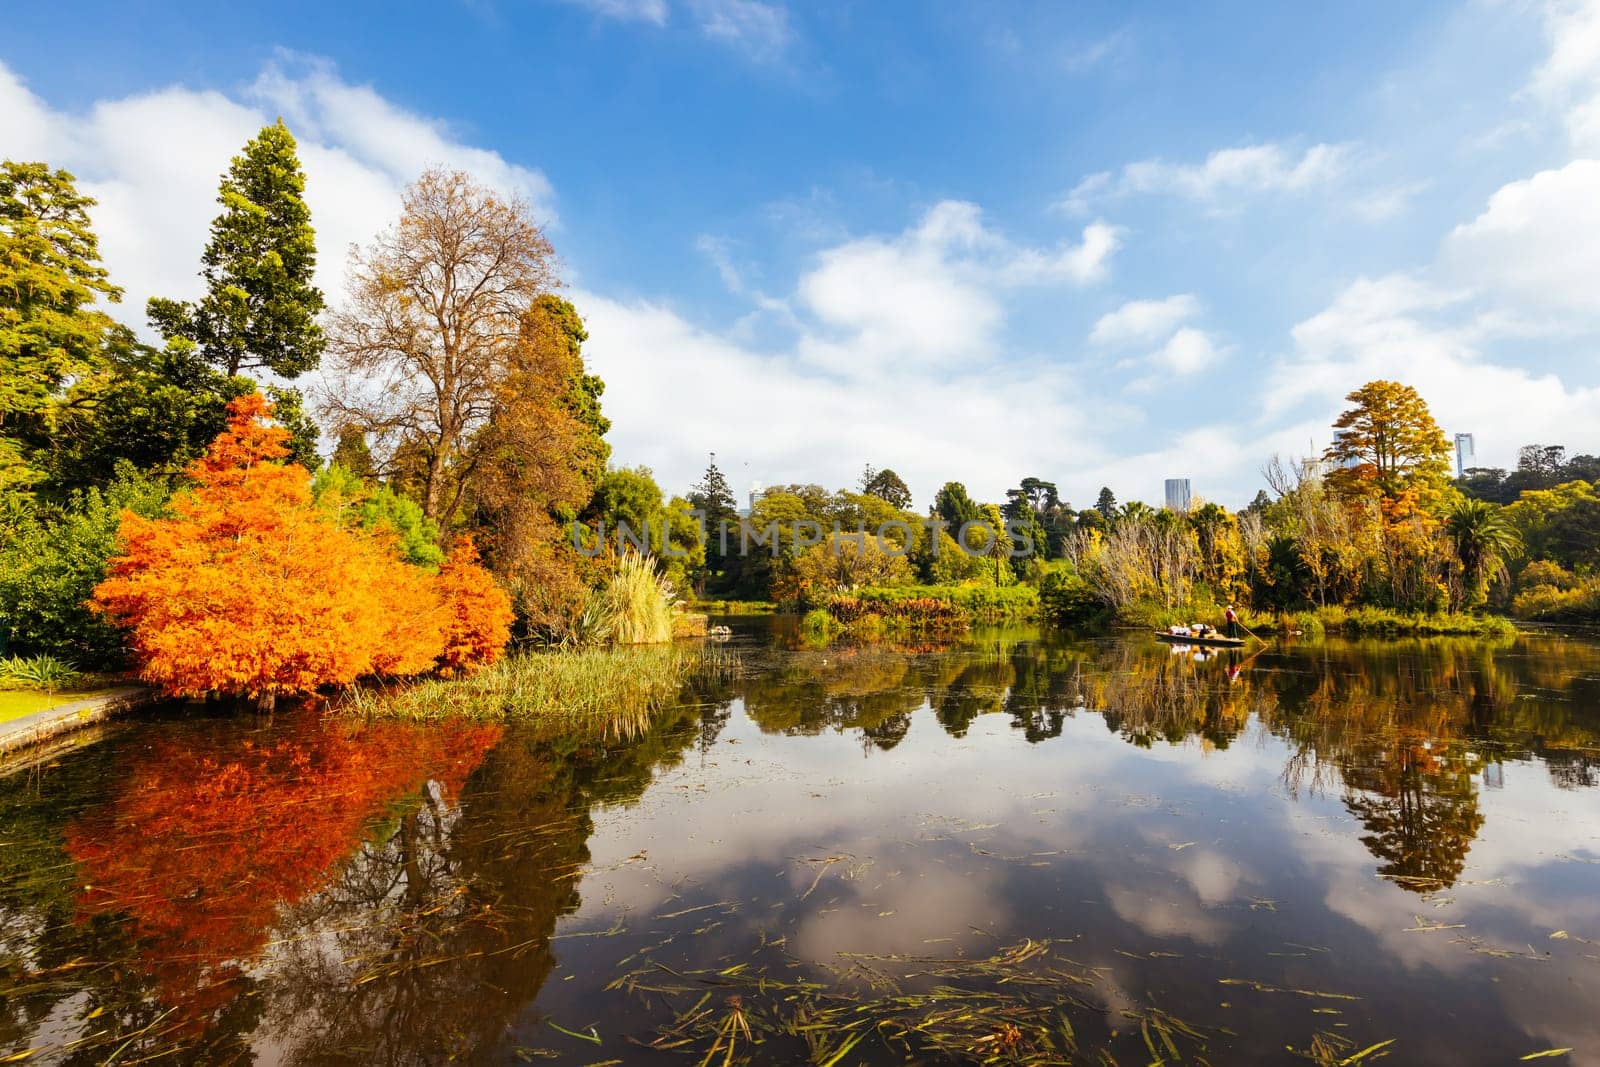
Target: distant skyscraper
1178, 494
1466, 454
1348, 461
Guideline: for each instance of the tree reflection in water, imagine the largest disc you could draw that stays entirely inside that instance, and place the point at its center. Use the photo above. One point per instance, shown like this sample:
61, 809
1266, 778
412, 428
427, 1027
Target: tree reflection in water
385, 893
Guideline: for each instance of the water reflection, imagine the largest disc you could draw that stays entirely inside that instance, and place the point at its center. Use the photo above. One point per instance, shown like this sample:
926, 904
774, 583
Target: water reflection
1105, 832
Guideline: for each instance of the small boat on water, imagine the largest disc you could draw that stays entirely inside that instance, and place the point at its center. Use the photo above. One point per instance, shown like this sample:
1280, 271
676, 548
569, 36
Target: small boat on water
1214, 641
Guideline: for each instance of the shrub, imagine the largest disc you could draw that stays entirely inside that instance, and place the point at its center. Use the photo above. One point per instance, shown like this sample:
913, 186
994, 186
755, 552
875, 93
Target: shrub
250, 589
479, 611
1067, 599
1544, 573
1551, 603
986, 602
50, 562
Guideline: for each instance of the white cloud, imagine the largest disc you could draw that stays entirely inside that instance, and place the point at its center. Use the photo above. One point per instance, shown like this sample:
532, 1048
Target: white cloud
1381, 205
652, 11
675, 392
758, 29
1537, 243
932, 295
1569, 78
1187, 352
1144, 321
1107, 49
1436, 340
153, 160
1224, 174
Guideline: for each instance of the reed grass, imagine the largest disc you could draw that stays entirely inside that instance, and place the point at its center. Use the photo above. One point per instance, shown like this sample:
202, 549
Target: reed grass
637, 603
612, 691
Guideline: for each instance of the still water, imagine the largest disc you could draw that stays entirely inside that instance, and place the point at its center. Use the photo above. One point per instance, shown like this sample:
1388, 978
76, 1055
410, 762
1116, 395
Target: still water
1013, 847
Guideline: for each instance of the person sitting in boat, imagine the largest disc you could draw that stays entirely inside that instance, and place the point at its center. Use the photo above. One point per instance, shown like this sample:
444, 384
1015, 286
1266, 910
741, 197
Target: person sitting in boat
1231, 617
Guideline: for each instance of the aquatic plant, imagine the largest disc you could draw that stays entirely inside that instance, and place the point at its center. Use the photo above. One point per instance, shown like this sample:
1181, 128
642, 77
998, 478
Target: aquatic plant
612, 691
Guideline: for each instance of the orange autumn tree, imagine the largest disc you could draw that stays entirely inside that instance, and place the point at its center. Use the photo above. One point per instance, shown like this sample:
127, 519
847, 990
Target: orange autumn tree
249, 590
479, 611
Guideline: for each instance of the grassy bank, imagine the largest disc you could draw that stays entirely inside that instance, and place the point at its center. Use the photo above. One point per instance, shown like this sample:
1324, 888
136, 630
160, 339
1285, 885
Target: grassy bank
1351, 622
611, 691
19, 703
979, 603
733, 607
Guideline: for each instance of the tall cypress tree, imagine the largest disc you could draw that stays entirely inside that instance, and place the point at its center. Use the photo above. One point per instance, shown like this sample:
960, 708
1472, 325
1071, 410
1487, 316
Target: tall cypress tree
260, 307
714, 498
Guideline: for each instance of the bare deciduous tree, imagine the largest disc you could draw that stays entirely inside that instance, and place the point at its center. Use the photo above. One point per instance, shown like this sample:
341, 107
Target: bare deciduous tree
433, 321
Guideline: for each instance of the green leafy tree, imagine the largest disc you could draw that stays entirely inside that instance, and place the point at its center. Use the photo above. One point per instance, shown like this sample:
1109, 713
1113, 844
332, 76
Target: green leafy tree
50, 280
260, 307
628, 497
584, 391
156, 408
952, 504
51, 558
886, 485
1106, 503
353, 454
359, 504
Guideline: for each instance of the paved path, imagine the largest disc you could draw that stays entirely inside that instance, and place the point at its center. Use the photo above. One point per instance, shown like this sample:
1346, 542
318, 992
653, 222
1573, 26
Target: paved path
19, 738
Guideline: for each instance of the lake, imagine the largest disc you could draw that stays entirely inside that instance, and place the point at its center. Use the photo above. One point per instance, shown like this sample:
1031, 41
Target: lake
1010, 846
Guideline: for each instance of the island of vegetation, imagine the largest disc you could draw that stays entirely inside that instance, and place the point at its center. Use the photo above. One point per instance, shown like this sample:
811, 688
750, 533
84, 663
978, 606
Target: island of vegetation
165, 508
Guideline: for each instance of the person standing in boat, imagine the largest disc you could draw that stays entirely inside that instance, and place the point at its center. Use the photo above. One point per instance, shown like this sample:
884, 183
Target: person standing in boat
1231, 617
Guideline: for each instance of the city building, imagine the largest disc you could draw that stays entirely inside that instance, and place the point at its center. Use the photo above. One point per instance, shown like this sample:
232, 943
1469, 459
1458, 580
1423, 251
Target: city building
1178, 494
1466, 454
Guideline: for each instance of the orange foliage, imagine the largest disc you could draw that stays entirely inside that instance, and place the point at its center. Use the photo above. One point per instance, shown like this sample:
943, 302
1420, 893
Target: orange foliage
479, 612
250, 590
200, 849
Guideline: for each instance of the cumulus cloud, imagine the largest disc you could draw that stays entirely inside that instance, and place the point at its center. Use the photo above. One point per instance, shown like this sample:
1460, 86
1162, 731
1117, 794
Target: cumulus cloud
1144, 321
675, 392
933, 295
1437, 340
153, 160
1537, 243
1569, 78
1224, 175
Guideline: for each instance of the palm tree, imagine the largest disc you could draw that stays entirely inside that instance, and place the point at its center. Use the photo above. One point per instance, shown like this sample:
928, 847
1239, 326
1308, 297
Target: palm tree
1484, 541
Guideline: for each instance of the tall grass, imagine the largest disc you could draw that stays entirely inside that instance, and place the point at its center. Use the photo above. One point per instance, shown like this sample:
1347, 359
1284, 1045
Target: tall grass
612, 691
637, 603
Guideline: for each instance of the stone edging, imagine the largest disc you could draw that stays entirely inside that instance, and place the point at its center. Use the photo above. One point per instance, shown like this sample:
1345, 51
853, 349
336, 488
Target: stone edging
20, 736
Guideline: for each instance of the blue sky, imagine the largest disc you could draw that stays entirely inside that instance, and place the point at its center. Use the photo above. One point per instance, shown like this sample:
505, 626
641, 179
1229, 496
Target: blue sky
1092, 243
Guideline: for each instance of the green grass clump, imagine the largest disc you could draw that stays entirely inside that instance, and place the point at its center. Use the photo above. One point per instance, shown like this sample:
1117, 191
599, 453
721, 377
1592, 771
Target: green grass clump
37, 672
610, 691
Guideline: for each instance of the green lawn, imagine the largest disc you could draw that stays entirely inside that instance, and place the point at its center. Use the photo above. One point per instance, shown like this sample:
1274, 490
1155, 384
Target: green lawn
15, 703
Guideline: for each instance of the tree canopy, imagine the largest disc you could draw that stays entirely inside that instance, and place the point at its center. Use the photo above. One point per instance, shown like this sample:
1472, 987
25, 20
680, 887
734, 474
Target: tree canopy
260, 306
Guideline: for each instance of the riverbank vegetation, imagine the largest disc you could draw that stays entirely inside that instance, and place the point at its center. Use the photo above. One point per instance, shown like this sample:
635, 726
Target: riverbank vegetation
609, 692
170, 507
158, 506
